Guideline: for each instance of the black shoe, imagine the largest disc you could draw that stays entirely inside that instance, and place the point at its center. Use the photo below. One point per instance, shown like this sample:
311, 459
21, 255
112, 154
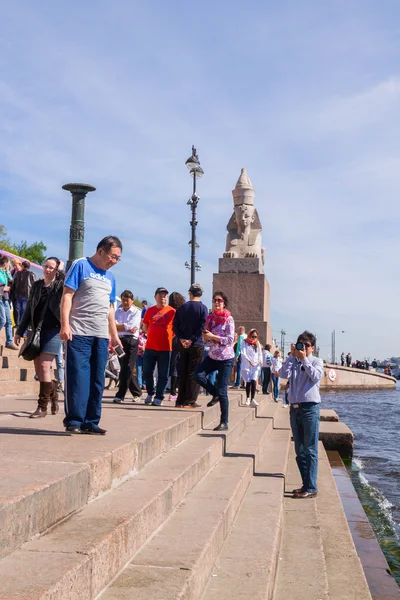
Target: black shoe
214, 400
221, 427
73, 429
94, 430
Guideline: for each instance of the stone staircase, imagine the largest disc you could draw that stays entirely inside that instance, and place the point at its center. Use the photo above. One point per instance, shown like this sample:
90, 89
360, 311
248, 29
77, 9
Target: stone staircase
16, 374
165, 508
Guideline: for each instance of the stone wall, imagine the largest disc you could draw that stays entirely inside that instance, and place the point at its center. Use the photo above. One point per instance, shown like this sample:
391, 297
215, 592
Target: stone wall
337, 377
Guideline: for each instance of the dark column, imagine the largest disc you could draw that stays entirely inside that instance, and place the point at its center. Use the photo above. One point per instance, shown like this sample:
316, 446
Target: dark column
77, 229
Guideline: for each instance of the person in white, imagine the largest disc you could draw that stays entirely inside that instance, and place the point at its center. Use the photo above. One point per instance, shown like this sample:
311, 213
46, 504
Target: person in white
127, 318
252, 360
275, 366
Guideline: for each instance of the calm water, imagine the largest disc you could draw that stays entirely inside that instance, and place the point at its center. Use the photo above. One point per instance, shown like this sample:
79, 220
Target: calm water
374, 418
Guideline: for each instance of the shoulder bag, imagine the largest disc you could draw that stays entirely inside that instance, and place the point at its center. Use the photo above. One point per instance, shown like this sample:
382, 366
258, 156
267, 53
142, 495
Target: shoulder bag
31, 347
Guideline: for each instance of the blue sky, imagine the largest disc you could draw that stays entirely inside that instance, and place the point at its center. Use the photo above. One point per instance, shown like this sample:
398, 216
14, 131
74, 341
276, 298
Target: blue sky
305, 95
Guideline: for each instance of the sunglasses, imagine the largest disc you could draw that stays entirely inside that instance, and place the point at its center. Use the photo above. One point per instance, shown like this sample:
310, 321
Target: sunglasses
254, 337
218, 300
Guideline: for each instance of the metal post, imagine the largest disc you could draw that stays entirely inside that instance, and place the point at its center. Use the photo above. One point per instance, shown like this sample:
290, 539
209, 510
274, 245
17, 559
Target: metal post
77, 228
334, 347
193, 223
283, 333
193, 164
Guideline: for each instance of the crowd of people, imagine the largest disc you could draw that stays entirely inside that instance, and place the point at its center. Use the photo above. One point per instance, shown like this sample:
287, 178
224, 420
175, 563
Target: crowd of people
175, 340
346, 360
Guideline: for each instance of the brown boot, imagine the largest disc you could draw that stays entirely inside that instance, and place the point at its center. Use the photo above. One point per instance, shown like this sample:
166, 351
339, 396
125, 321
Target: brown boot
54, 398
43, 400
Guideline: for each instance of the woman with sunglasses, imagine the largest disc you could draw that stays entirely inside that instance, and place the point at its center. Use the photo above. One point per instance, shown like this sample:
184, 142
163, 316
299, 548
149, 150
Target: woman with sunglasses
276, 364
219, 335
252, 359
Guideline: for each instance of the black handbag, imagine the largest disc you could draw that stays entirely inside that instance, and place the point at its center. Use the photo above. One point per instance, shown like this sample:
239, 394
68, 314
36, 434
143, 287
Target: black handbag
31, 347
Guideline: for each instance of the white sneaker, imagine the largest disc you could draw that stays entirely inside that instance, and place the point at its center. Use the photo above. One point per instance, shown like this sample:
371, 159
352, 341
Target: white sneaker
254, 403
157, 402
247, 402
148, 400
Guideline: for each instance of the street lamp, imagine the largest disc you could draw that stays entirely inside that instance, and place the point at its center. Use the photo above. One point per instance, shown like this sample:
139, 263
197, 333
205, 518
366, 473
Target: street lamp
77, 228
333, 351
193, 164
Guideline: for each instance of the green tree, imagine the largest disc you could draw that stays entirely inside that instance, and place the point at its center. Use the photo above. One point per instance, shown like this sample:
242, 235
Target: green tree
34, 252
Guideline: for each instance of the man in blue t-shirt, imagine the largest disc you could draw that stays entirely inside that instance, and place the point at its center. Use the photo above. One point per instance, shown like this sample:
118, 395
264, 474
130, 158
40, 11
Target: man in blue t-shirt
87, 323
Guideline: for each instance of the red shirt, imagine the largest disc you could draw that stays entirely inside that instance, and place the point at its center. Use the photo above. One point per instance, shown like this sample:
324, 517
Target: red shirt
159, 322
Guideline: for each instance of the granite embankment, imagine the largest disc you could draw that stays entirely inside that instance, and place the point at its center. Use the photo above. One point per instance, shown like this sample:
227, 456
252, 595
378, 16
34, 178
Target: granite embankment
337, 377
164, 508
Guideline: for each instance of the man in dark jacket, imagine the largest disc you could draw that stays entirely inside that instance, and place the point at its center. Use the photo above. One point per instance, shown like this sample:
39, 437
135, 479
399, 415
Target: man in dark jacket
189, 322
21, 287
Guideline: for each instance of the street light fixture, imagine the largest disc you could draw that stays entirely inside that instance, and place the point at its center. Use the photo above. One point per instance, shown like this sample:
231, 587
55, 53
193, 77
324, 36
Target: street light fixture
193, 164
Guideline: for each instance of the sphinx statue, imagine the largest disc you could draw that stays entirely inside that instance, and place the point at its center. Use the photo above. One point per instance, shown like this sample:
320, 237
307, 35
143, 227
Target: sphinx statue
244, 227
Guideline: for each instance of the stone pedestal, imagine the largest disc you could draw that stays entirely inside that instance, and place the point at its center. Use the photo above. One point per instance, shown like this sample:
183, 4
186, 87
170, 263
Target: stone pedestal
249, 298
241, 270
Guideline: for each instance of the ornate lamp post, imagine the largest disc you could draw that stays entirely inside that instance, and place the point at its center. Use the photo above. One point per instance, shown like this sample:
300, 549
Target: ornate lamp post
77, 228
193, 164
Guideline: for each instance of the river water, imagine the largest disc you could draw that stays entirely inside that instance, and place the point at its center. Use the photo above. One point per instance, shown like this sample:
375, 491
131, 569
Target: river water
374, 418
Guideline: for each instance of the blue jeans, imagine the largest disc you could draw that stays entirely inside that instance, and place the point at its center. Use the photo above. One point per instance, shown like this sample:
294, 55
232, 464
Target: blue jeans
212, 377
85, 365
5, 319
60, 365
238, 369
21, 306
277, 386
162, 359
220, 389
304, 422
139, 370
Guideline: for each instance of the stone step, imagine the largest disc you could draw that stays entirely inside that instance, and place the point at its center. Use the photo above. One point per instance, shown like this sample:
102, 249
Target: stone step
337, 436
246, 566
176, 562
80, 556
346, 578
17, 387
41, 484
302, 571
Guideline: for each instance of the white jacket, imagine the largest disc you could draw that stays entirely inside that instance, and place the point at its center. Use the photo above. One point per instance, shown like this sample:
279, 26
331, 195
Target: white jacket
251, 353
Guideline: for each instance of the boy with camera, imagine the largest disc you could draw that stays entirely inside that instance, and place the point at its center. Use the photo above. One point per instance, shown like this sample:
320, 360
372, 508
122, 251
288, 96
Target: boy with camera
304, 373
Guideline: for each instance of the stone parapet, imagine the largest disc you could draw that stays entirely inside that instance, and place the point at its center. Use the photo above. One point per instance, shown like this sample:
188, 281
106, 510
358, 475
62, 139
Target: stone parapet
338, 377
